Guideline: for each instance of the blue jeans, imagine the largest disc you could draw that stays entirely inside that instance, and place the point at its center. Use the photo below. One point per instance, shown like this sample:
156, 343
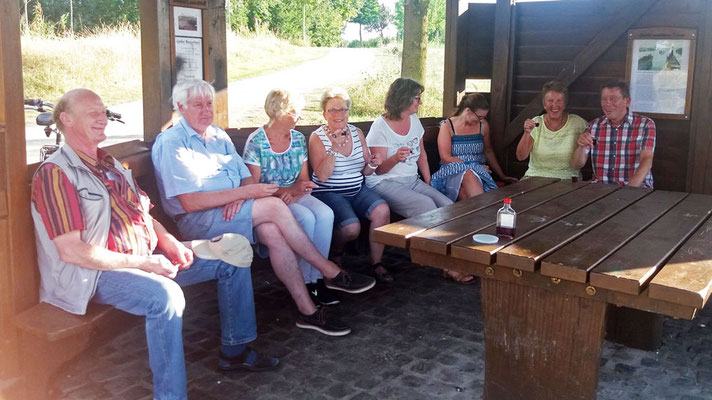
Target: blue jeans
161, 300
317, 219
348, 209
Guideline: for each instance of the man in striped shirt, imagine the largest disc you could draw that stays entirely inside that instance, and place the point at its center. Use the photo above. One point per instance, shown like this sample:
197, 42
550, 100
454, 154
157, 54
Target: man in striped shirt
621, 143
97, 242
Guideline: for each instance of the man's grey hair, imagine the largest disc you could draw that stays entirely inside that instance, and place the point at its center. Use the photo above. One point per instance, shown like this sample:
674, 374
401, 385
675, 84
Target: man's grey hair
190, 88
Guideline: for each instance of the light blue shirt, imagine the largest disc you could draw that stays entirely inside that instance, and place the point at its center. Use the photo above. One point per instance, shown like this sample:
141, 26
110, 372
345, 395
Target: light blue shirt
186, 163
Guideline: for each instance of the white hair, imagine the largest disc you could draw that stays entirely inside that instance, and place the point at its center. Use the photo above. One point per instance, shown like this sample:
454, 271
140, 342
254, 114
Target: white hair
190, 88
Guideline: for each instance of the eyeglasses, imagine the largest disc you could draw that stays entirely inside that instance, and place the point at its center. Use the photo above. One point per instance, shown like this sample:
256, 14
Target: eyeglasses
337, 110
417, 98
294, 115
480, 117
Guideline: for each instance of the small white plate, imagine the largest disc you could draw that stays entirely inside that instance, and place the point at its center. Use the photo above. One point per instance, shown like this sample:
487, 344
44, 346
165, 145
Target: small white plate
485, 238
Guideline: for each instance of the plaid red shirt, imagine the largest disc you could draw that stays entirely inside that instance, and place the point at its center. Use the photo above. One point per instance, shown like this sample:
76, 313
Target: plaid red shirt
56, 199
616, 155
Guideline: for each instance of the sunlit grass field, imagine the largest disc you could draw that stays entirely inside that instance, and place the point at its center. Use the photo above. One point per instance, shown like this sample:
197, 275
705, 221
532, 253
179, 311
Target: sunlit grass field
108, 61
368, 96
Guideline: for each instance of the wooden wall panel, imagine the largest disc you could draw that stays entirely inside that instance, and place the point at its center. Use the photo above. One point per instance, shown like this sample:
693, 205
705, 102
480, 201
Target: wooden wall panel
549, 35
18, 285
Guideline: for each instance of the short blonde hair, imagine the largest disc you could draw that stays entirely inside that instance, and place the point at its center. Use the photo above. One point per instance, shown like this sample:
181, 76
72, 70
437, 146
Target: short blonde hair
280, 102
335, 93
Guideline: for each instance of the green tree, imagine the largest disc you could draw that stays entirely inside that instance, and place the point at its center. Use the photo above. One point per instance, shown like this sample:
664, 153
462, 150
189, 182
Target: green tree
436, 20
385, 17
91, 13
415, 39
368, 15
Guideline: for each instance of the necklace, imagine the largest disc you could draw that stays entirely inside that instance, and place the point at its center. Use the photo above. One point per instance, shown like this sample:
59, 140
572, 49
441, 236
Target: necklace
550, 125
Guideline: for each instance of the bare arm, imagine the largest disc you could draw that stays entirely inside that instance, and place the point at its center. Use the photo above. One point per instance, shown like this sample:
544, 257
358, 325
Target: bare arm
646, 163
389, 162
526, 143
176, 252
584, 141
72, 249
198, 201
423, 163
321, 163
445, 145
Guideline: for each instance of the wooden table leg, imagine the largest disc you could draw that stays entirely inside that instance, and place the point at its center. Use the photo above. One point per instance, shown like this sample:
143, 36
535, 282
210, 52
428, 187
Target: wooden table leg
540, 344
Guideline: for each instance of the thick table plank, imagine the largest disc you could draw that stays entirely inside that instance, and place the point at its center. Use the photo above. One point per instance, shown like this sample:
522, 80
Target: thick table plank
530, 221
439, 238
687, 277
573, 261
397, 234
562, 287
526, 254
632, 266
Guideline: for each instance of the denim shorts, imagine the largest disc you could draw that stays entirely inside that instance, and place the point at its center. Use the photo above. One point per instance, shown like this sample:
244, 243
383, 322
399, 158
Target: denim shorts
348, 209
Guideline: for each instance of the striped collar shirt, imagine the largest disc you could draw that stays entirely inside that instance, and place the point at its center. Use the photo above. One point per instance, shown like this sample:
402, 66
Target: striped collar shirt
57, 201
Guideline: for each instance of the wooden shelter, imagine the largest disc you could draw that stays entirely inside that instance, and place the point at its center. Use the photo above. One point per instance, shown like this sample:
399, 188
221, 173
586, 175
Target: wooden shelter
583, 43
518, 47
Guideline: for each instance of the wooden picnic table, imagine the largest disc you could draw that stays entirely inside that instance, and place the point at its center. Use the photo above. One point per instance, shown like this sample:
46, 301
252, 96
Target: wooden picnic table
578, 248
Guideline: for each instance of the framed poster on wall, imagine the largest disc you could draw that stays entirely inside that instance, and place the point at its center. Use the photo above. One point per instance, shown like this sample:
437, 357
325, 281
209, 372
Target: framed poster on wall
188, 21
659, 69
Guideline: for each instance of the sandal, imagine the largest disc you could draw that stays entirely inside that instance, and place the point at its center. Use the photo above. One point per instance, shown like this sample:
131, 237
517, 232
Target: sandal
383, 276
458, 277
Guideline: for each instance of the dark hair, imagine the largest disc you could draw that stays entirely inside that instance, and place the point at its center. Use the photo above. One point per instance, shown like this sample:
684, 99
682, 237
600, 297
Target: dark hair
400, 95
472, 101
555, 86
621, 85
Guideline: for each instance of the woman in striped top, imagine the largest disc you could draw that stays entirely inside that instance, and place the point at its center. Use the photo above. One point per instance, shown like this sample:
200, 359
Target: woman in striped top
340, 159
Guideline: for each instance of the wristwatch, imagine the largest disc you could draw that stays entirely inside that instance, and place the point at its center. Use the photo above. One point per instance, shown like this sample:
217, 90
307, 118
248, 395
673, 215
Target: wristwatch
332, 152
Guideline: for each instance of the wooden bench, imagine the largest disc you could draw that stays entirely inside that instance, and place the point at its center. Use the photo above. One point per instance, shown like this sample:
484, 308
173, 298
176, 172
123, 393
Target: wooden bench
579, 249
51, 337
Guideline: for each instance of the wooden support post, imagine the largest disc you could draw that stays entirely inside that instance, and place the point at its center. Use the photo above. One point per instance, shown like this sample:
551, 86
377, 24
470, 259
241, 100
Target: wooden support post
501, 61
540, 344
699, 166
155, 67
217, 59
18, 271
451, 81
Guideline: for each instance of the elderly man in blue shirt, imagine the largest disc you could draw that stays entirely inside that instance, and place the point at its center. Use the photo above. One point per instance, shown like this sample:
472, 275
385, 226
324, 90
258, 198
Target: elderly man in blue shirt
206, 187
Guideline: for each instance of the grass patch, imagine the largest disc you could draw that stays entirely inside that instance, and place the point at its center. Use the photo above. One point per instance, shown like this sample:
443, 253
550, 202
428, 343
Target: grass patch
368, 96
107, 61
255, 54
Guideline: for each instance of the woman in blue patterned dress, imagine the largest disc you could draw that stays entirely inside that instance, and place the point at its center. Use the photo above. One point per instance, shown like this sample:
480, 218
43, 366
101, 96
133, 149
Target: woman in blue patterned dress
466, 151
276, 153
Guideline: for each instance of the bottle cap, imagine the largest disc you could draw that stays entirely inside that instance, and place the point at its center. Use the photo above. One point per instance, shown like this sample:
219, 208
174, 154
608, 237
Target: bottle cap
507, 201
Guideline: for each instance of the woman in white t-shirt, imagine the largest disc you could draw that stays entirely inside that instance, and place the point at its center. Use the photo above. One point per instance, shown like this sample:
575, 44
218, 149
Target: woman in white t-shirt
397, 136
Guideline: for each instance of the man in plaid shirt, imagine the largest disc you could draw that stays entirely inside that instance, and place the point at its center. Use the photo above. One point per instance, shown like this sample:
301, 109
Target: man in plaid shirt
621, 143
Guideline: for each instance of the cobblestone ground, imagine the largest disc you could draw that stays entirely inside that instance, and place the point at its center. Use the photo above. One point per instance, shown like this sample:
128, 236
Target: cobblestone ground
420, 338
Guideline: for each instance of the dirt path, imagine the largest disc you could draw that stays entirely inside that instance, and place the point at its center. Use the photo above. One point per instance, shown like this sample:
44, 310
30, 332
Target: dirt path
340, 67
